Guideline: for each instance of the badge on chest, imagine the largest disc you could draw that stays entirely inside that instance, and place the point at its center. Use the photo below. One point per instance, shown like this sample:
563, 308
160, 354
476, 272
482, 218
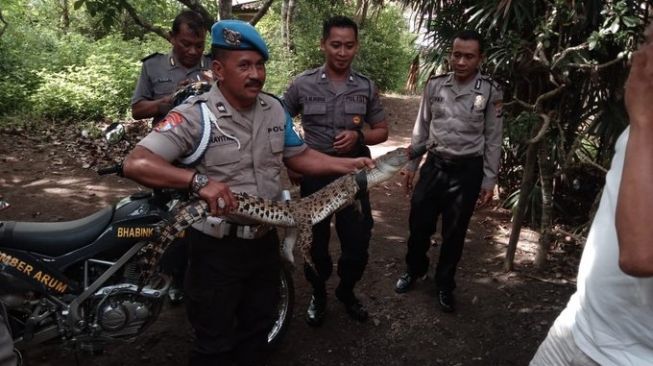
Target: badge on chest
479, 102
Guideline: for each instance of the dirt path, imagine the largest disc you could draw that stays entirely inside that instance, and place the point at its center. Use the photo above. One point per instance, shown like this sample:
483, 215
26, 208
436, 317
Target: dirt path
501, 317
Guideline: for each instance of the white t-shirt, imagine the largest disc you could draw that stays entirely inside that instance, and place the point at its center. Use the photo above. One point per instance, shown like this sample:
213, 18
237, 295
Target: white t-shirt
611, 312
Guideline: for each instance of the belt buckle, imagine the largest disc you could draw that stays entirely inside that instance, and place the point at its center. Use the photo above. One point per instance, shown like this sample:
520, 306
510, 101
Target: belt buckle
217, 227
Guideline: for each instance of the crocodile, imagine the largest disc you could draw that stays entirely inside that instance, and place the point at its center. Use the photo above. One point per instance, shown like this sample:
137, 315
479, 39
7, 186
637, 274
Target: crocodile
301, 214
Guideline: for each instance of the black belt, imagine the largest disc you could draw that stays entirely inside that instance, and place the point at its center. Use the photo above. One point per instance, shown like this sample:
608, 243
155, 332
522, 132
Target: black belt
454, 159
225, 229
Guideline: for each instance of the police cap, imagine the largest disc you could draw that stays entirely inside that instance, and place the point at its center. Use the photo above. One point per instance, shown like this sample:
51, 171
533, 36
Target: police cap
234, 34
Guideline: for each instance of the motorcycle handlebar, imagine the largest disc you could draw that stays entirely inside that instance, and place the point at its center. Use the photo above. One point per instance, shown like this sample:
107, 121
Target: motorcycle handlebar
116, 169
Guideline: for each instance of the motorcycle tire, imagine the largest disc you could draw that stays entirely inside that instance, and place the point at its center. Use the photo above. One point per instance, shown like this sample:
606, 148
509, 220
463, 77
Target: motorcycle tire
285, 307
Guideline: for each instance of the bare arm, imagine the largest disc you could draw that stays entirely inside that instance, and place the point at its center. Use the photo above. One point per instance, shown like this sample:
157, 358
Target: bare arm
346, 140
149, 169
635, 200
313, 162
145, 108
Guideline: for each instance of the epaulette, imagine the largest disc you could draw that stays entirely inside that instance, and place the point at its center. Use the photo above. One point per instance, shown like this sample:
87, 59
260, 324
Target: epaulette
150, 56
283, 104
495, 84
440, 75
360, 75
309, 72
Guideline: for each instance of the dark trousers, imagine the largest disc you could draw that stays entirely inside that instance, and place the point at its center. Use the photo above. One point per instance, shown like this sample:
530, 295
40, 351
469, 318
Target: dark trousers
447, 188
175, 260
232, 288
354, 228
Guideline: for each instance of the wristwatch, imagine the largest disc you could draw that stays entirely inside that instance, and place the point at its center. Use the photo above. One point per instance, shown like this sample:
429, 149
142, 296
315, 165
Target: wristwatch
198, 182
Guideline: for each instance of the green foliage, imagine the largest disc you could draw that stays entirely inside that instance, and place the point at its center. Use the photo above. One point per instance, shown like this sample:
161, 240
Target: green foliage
385, 54
385, 44
565, 59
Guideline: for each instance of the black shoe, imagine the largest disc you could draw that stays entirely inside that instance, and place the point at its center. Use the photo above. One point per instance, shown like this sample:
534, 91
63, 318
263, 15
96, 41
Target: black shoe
447, 301
353, 307
316, 310
404, 283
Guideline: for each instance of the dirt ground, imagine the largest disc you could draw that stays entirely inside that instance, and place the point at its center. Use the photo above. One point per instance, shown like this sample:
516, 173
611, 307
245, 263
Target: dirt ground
500, 319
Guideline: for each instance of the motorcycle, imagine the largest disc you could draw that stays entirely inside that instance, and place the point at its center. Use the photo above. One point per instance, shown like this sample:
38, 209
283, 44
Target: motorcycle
80, 281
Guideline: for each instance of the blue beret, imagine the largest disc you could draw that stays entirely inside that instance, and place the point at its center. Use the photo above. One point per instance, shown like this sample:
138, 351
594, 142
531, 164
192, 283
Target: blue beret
238, 35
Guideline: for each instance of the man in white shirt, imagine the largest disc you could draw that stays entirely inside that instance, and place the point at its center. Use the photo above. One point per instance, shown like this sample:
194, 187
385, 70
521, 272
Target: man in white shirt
609, 320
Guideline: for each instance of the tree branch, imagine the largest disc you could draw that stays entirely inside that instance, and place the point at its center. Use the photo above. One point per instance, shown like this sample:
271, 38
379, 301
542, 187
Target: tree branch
520, 102
543, 129
261, 12
598, 67
561, 55
143, 23
197, 7
540, 56
548, 95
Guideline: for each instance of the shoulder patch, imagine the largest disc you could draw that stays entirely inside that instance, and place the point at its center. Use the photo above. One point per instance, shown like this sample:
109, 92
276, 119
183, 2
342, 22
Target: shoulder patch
172, 120
150, 56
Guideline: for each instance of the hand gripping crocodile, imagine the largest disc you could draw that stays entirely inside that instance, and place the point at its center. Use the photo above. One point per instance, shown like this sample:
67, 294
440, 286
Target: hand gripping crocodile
301, 214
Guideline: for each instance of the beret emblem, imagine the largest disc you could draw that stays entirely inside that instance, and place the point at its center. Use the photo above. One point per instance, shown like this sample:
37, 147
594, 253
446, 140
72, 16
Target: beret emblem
231, 37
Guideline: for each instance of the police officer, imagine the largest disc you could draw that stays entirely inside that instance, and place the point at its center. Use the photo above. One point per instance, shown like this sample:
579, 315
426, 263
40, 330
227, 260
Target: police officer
460, 119
161, 75
335, 102
232, 281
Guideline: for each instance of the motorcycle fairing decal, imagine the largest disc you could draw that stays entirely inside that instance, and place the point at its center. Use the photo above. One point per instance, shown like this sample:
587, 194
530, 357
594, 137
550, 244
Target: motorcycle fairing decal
135, 232
20, 265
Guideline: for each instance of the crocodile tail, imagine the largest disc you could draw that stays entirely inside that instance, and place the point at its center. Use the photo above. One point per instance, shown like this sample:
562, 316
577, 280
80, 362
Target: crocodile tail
305, 241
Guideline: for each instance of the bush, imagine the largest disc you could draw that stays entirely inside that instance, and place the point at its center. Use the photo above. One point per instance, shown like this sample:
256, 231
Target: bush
99, 84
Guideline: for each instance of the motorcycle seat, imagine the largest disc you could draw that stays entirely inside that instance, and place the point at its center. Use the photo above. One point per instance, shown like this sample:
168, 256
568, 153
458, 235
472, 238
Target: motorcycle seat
54, 238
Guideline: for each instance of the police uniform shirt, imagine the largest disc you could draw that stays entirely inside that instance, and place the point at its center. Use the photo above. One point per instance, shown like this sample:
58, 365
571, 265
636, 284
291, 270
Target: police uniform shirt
327, 112
161, 75
246, 155
462, 121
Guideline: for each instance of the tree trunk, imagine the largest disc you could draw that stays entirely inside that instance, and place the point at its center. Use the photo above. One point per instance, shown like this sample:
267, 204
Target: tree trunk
527, 183
287, 13
261, 12
413, 74
4, 24
546, 181
65, 16
284, 23
224, 9
362, 6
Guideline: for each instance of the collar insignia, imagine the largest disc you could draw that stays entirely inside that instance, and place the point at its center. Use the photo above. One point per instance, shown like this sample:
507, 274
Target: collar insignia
221, 107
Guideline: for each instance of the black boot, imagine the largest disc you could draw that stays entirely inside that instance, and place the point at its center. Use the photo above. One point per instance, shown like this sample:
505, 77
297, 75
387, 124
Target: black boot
354, 308
316, 309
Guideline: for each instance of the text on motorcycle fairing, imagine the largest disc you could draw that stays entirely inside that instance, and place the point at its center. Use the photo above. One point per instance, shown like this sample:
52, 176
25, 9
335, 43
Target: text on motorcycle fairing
21, 266
135, 232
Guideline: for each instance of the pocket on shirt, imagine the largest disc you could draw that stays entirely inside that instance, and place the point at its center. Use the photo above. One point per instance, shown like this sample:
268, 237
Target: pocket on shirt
437, 111
476, 122
164, 87
222, 154
314, 109
277, 142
